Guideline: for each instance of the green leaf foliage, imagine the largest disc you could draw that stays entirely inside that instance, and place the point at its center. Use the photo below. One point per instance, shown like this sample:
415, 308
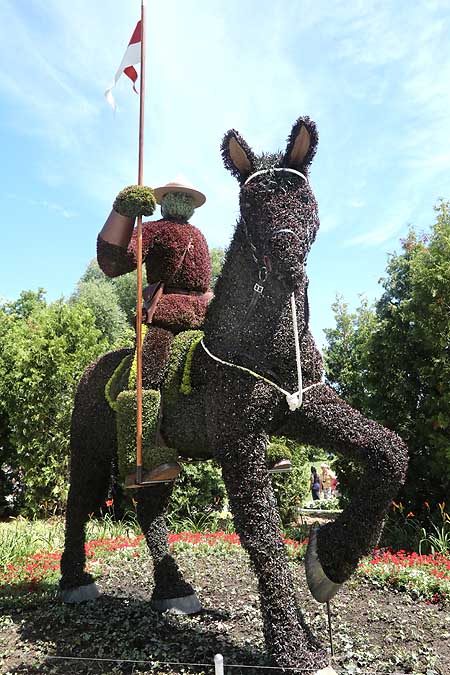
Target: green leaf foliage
392, 361
100, 296
135, 200
44, 351
217, 256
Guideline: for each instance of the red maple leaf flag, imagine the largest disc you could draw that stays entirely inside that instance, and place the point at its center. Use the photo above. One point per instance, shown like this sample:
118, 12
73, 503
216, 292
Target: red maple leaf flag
130, 58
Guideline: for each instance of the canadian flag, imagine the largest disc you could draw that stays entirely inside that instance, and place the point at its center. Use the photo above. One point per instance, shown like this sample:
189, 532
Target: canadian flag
131, 57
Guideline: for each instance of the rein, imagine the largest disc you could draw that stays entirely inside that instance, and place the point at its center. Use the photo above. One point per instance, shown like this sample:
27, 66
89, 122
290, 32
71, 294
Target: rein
295, 399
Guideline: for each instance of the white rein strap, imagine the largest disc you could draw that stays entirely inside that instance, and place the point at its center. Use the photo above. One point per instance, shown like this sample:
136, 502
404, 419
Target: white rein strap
294, 400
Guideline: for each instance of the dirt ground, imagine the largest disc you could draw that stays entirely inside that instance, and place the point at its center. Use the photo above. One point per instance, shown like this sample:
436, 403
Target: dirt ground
374, 630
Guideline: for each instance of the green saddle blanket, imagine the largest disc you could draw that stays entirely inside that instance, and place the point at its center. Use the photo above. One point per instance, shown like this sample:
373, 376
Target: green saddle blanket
120, 392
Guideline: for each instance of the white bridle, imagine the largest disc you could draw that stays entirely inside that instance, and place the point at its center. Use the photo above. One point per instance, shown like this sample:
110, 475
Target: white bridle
261, 171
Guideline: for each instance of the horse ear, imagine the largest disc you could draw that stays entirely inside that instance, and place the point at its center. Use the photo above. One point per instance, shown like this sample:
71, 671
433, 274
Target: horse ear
237, 156
301, 145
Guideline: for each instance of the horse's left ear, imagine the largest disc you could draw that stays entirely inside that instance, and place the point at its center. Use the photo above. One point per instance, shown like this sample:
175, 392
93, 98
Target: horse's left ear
301, 145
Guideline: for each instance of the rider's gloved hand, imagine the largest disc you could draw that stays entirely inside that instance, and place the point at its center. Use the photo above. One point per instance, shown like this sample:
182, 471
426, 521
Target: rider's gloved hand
135, 200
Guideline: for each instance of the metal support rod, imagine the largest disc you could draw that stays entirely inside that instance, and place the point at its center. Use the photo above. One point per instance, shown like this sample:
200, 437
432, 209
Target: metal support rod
330, 632
139, 261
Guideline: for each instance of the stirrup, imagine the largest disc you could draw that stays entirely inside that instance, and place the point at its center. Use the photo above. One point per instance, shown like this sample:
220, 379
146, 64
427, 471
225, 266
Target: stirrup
164, 473
321, 587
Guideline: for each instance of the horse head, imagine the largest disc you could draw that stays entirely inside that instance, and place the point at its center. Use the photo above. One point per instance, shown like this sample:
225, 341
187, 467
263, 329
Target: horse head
279, 215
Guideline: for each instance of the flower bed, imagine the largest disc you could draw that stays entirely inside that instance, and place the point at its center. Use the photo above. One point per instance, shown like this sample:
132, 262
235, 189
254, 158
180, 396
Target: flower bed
425, 577
29, 573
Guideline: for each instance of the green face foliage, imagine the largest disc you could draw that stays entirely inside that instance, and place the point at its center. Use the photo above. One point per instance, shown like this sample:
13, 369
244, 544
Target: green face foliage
177, 205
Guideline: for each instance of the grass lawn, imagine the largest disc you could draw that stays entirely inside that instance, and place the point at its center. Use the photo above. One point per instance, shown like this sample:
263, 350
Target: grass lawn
382, 622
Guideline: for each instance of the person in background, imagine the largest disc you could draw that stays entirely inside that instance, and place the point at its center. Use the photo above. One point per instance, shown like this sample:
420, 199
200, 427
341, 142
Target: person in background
316, 483
326, 481
333, 483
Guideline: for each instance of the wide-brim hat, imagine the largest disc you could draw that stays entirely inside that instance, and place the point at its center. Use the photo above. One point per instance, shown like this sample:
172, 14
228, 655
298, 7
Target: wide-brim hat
180, 184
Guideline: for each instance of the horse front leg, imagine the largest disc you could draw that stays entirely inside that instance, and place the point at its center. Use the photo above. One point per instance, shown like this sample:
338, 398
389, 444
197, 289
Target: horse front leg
325, 421
171, 591
257, 521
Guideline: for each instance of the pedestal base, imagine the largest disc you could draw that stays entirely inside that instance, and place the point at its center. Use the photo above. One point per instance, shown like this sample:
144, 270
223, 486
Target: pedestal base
73, 596
189, 604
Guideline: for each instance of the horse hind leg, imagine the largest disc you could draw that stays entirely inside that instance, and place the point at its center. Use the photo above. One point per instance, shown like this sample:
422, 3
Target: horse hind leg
93, 447
171, 591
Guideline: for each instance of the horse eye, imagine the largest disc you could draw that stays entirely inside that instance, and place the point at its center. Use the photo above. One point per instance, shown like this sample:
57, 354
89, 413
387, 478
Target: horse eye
304, 199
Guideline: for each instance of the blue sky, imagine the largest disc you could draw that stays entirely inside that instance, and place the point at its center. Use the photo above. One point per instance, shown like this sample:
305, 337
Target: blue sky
374, 77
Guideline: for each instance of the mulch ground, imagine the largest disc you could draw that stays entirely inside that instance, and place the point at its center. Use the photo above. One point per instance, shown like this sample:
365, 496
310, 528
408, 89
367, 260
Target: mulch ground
374, 630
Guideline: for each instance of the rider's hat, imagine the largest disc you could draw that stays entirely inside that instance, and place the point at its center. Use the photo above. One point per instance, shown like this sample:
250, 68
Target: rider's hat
180, 184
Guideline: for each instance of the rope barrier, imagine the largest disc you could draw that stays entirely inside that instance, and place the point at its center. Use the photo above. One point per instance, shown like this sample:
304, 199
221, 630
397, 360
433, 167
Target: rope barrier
155, 662
218, 662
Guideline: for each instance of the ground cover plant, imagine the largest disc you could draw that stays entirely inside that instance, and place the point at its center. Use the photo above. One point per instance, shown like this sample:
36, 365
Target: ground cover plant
391, 617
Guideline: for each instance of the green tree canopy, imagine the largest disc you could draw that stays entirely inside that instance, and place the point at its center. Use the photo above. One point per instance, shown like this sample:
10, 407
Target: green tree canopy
100, 296
217, 256
42, 357
393, 361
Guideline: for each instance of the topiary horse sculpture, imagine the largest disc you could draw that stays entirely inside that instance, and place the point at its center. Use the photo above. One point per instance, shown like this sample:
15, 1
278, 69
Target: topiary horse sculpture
257, 348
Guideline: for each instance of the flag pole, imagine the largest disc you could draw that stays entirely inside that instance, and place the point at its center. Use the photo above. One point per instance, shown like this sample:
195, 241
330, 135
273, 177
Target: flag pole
139, 262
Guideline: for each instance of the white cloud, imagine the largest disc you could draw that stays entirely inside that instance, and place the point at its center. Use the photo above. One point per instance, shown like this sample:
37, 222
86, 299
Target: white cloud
53, 207
374, 77
375, 237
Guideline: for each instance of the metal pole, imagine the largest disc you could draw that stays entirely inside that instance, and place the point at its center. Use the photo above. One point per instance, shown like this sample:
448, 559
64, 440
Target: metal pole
330, 632
139, 262
218, 664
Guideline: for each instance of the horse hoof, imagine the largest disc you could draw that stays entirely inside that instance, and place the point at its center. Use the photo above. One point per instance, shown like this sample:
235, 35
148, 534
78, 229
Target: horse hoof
71, 596
321, 587
188, 604
281, 466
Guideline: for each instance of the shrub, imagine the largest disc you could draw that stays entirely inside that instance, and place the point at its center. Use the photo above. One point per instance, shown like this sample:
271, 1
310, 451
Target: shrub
43, 353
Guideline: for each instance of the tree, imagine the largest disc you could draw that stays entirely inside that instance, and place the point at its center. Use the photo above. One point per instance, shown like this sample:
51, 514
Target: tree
217, 256
27, 302
346, 355
42, 357
394, 363
100, 296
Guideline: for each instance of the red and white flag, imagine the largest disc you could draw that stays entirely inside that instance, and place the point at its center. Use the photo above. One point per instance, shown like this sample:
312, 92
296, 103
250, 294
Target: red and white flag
130, 58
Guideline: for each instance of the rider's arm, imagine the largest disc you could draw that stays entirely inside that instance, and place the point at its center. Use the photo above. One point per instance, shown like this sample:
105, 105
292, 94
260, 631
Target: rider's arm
116, 244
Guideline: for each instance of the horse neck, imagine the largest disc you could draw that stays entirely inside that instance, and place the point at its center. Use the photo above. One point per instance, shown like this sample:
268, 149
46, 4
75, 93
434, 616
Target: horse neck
227, 328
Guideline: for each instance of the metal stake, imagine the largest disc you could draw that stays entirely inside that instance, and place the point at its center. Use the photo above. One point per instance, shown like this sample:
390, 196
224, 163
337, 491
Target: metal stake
330, 632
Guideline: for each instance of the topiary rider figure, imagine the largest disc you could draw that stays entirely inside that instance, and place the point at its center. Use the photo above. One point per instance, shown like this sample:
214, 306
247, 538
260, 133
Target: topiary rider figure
177, 262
